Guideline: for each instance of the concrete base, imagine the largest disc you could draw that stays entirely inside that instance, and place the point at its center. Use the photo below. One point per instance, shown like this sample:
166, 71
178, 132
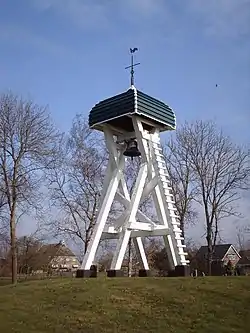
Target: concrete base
144, 273
180, 270
87, 273
115, 273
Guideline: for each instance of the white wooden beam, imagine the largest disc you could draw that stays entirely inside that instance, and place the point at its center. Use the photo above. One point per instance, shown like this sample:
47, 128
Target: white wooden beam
134, 203
150, 187
137, 234
103, 209
125, 202
140, 226
139, 249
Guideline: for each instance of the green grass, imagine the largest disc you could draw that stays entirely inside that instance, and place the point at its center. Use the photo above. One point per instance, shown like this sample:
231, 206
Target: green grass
181, 305
4, 281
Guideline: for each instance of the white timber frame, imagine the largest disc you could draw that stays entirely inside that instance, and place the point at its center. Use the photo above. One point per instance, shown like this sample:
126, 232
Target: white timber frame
152, 179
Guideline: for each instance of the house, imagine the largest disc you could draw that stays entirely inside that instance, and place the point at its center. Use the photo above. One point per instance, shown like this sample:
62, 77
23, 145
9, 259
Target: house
2, 262
223, 253
5, 268
34, 257
244, 263
57, 257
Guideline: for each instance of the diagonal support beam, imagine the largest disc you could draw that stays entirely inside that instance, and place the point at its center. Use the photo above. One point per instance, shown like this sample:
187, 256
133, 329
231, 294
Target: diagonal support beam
139, 249
150, 187
125, 235
126, 197
126, 203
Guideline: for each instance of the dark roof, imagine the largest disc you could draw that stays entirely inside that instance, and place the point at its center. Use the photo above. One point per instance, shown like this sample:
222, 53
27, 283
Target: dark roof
56, 250
47, 252
3, 261
219, 251
245, 258
117, 109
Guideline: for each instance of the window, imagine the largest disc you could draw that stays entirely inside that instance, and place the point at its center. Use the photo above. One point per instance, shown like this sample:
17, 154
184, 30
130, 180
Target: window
231, 256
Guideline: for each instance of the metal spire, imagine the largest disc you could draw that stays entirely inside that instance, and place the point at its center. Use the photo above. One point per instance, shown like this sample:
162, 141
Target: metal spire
132, 51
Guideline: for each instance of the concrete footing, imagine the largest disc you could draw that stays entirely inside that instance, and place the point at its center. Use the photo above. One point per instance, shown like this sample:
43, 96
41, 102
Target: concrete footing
144, 273
180, 270
115, 273
87, 273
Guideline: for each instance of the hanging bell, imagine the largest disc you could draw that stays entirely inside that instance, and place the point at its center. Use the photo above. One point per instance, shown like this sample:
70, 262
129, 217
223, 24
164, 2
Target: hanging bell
132, 149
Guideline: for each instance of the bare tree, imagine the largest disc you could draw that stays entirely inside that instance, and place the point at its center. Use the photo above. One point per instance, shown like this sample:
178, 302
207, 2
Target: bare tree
221, 170
76, 182
4, 245
27, 146
2, 199
28, 253
182, 180
243, 238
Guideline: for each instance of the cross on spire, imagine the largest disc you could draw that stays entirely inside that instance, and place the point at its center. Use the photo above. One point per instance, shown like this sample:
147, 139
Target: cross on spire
132, 51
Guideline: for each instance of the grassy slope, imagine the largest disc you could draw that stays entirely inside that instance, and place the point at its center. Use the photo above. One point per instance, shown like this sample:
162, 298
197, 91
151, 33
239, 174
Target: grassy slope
127, 305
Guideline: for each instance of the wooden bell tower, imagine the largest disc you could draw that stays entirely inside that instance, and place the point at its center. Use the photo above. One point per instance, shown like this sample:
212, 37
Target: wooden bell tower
135, 119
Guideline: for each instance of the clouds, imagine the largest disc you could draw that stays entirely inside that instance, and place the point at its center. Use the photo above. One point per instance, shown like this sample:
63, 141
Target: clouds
144, 7
18, 35
96, 14
222, 18
83, 13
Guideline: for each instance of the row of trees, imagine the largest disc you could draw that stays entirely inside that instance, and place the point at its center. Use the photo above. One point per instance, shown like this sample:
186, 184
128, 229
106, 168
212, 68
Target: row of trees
206, 169
210, 171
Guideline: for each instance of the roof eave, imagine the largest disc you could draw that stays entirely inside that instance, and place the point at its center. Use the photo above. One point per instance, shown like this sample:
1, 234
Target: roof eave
165, 125
231, 246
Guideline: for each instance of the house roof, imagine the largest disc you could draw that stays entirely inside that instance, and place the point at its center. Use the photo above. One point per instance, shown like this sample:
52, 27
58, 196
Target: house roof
3, 261
117, 110
220, 251
56, 250
47, 252
245, 258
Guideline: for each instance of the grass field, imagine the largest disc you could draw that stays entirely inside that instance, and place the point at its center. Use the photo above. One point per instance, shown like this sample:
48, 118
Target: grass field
181, 305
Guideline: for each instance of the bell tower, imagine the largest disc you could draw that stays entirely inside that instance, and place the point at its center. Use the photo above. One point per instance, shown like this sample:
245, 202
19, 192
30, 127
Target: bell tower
131, 123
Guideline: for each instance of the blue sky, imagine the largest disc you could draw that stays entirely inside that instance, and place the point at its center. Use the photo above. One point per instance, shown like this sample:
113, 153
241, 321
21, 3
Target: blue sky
70, 54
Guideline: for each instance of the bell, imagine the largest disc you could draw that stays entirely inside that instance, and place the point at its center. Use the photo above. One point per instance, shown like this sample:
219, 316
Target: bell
132, 149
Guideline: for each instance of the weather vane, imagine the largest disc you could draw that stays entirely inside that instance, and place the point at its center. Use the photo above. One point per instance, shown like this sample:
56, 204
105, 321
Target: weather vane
132, 51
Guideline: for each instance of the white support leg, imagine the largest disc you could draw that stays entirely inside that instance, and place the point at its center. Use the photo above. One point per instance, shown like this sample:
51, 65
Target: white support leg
104, 207
139, 249
120, 250
107, 179
100, 223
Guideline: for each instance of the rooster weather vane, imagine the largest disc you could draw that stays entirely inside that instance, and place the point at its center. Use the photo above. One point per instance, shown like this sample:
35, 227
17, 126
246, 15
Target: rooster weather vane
132, 51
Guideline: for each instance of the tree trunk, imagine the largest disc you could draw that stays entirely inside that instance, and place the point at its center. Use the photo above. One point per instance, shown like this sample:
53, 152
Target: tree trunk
209, 255
182, 227
13, 248
85, 247
130, 258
